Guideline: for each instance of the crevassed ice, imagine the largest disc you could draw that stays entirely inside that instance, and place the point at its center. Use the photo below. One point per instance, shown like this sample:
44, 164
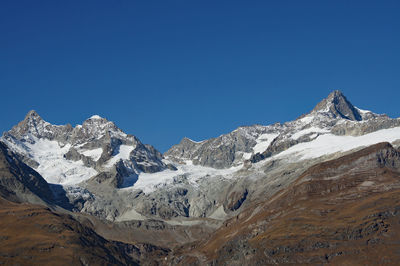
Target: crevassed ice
54, 167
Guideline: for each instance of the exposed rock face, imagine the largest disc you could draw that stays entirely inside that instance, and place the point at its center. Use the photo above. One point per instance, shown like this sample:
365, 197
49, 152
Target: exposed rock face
236, 199
337, 105
34, 125
221, 152
358, 129
95, 147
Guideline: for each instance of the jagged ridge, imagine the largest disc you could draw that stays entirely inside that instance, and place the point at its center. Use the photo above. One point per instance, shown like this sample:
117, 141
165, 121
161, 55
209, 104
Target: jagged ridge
96, 146
334, 114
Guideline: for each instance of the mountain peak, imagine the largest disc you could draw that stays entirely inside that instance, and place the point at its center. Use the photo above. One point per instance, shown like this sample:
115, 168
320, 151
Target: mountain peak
32, 115
33, 124
96, 117
337, 105
336, 93
96, 121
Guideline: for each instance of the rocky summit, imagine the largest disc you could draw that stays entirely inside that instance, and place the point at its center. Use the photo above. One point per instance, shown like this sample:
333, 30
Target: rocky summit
63, 154
323, 188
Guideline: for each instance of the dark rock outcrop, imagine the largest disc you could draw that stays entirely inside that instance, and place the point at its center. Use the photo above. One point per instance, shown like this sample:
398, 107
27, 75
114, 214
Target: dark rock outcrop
20, 181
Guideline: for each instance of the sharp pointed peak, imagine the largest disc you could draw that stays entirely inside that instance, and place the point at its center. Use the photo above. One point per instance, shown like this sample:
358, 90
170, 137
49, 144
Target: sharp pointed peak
336, 93
32, 114
336, 96
338, 105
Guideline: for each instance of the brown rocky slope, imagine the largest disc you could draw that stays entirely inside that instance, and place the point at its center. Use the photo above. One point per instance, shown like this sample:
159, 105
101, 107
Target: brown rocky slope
34, 235
344, 211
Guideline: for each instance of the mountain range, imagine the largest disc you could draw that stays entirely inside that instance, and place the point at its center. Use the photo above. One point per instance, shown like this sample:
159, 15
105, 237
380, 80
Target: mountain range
323, 188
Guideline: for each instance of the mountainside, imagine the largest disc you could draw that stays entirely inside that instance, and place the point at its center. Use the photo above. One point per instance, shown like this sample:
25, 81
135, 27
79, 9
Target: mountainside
33, 234
340, 211
110, 174
334, 115
321, 188
19, 182
67, 155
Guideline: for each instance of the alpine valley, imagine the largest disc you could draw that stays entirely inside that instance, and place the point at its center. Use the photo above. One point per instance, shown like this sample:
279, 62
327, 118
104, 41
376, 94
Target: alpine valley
324, 188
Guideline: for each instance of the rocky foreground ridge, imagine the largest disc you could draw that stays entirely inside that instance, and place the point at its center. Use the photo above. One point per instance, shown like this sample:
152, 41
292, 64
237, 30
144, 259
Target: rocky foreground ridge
257, 195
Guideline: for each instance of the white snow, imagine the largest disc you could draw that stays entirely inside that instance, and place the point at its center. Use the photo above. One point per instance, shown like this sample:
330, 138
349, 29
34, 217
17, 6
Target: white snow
95, 117
306, 131
95, 154
194, 141
363, 111
124, 151
148, 182
263, 142
246, 155
329, 143
123, 154
307, 119
54, 167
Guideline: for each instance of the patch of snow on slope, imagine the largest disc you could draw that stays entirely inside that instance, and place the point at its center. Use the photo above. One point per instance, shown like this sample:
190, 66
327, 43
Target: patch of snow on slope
328, 143
197, 142
306, 131
148, 182
306, 119
363, 111
263, 142
246, 155
122, 154
54, 167
95, 117
95, 154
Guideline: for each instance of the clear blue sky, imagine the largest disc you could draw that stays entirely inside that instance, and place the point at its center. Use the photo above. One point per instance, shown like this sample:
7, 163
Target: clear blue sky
163, 70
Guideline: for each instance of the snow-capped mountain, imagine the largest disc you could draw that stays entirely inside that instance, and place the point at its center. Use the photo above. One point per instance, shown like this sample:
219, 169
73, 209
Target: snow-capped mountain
110, 174
334, 115
63, 154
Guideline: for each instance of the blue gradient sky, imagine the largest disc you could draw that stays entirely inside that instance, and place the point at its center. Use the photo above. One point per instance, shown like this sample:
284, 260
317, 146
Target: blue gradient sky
163, 70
